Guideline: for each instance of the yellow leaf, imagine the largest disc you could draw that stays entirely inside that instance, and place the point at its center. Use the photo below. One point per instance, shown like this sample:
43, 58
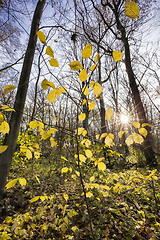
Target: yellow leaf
108, 141
87, 143
45, 136
84, 133
55, 119
80, 130
92, 84
117, 55
82, 158
92, 178
85, 90
143, 131
88, 153
65, 196
58, 92
23, 149
137, 138
8, 88
51, 97
82, 116
49, 51
63, 89
109, 114
2, 118
35, 199
43, 198
75, 65
3, 148
97, 136
53, 143
84, 101
87, 51
41, 125
33, 124
41, 37
51, 84
64, 170
103, 135
22, 181
93, 67
89, 194
74, 228
132, 9
64, 158
4, 127
83, 75
53, 62
101, 166
97, 89
7, 108
120, 134
129, 140
111, 135
37, 179
28, 154
11, 183
52, 130
96, 57
37, 155
92, 106
44, 84
136, 124
146, 124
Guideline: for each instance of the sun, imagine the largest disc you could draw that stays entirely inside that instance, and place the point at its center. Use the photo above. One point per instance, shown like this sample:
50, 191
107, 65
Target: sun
124, 118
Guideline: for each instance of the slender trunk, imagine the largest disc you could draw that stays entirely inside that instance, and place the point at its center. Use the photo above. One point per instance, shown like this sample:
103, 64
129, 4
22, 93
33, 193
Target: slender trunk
11, 138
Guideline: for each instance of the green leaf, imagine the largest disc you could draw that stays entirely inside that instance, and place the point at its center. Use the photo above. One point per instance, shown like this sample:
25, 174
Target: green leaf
49, 51
41, 37
117, 55
8, 88
87, 51
75, 65
11, 183
132, 9
83, 75
109, 114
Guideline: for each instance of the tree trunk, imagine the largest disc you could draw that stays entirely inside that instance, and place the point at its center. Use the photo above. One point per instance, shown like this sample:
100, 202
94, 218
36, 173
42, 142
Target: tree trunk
147, 144
11, 138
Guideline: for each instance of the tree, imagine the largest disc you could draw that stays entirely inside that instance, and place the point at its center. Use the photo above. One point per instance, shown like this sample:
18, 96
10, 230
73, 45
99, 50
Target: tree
11, 138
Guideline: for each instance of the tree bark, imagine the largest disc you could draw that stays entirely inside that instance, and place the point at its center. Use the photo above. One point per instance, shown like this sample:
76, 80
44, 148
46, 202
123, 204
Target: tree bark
11, 138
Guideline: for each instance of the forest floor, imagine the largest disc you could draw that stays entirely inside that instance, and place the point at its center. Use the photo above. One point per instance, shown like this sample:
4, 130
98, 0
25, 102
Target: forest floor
52, 203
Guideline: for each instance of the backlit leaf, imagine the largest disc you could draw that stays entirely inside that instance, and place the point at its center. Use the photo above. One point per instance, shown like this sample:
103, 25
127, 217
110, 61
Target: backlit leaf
101, 166
75, 65
92, 178
4, 127
82, 158
143, 131
3, 148
89, 194
120, 134
22, 181
83, 75
97, 89
137, 138
117, 55
41, 37
87, 143
7, 108
11, 183
131, 9
28, 154
35, 199
51, 84
49, 51
103, 135
87, 51
129, 140
45, 136
44, 84
33, 124
136, 124
85, 90
88, 153
96, 57
80, 130
63, 89
109, 114
146, 124
108, 141
53, 143
64, 170
92, 106
8, 88
82, 116
93, 67
51, 97
111, 135
58, 92
53, 62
